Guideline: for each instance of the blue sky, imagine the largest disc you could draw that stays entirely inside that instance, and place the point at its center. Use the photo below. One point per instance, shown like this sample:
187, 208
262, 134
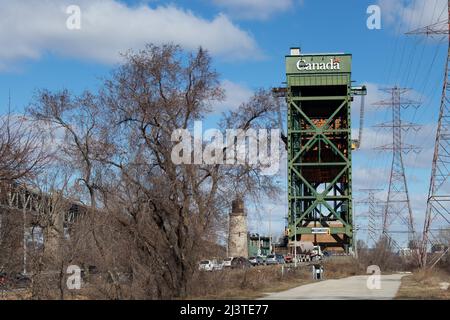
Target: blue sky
248, 40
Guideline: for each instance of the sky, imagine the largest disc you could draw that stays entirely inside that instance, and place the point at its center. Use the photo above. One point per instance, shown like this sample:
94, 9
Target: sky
248, 40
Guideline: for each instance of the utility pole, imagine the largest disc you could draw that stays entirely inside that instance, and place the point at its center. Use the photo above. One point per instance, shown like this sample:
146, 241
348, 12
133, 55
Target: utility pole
26, 201
295, 242
355, 229
398, 212
270, 230
437, 215
24, 217
259, 244
294, 188
228, 234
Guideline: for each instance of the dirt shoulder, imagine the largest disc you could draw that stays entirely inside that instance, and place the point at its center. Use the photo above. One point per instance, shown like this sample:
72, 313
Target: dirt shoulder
429, 285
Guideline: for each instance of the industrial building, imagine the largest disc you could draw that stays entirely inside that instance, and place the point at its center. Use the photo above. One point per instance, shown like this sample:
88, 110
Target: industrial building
259, 245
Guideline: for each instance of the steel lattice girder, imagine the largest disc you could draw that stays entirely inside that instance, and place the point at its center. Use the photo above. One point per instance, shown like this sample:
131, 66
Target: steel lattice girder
319, 157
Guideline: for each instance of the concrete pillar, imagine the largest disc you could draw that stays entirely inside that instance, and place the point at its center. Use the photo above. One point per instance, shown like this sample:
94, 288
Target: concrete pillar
237, 239
54, 231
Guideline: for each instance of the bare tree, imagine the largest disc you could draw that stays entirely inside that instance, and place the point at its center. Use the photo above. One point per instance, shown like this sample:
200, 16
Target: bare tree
77, 117
22, 149
23, 156
155, 216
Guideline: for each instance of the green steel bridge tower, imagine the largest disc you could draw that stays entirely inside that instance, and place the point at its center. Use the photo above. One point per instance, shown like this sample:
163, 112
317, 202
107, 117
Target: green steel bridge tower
319, 94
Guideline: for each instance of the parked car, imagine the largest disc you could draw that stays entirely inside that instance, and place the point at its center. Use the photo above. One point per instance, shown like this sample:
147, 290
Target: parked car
271, 259
206, 265
275, 259
227, 262
218, 265
256, 261
21, 280
279, 258
253, 261
288, 258
18, 280
240, 263
263, 259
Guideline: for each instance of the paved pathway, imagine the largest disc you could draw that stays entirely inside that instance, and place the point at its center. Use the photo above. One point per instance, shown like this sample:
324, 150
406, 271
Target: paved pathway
346, 288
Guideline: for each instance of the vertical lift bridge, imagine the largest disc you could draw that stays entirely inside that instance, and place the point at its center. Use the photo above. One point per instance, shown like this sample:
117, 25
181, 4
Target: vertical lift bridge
319, 95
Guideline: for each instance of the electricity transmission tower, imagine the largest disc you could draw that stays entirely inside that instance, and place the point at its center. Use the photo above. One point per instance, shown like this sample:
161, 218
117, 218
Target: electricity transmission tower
398, 217
437, 215
374, 225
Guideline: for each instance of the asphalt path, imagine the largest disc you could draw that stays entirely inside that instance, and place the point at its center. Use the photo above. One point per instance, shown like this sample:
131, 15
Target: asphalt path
356, 287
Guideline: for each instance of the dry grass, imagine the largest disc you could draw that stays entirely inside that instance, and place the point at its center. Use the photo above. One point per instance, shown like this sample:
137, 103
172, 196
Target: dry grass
25, 294
424, 285
256, 282
342, 266
15, 295
245, 284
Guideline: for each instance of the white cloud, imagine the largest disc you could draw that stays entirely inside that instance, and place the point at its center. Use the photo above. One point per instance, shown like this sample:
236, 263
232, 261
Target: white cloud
413, 14
425, 140
364, 177
255, 9
235, 95
32, 28
375, 137
374, 94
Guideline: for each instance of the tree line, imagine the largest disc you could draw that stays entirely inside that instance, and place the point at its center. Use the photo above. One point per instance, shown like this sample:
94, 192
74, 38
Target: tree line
146, 221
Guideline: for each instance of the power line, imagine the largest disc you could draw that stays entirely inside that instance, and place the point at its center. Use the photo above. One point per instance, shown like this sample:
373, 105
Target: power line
374, 221
398, 206
438, 211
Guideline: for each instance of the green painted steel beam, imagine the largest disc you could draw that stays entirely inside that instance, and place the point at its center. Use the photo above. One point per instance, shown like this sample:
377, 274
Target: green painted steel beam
320, 98
319, 144
324, 131
318, 164
333, 230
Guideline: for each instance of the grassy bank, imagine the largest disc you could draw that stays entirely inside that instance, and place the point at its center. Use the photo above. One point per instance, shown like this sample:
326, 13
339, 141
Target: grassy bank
425, 285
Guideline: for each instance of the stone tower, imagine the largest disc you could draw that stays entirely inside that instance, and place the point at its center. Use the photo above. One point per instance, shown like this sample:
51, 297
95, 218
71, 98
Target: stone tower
237, 238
